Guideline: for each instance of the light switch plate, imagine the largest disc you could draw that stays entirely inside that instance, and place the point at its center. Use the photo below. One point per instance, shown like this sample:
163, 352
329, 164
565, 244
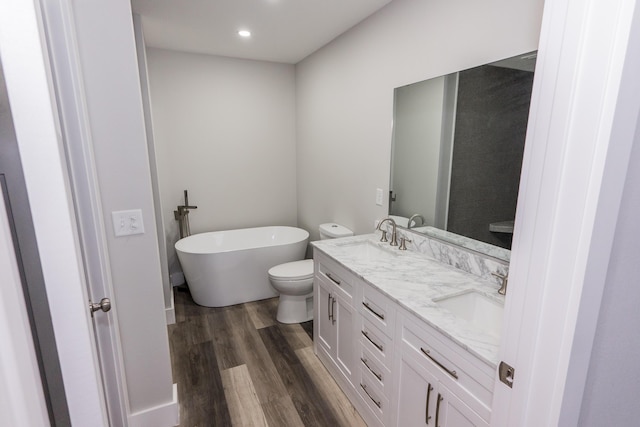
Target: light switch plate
126, 223
379, 196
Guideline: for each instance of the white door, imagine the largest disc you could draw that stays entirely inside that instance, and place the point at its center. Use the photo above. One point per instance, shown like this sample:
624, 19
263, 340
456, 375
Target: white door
59, 235
74, 121
581, 128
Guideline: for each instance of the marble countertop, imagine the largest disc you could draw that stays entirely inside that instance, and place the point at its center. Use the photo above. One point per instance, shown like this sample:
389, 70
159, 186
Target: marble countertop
414, 281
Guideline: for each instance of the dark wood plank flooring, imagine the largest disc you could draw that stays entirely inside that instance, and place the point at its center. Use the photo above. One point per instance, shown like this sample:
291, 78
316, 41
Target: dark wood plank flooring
237, 366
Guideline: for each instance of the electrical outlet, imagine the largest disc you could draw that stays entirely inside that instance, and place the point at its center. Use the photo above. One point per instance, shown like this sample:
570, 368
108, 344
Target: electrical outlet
126, 223
379, 196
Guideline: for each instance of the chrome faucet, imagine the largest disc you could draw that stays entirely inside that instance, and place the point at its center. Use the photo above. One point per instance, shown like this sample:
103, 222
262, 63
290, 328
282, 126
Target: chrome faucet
415, 216
182, 216
504, 279
394, 236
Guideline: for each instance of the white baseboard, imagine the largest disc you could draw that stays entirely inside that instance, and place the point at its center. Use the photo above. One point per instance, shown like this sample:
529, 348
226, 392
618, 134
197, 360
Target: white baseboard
170, 312
166, 415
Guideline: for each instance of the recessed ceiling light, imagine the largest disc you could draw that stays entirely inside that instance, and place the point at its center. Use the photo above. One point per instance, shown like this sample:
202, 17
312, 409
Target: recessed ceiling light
244, 33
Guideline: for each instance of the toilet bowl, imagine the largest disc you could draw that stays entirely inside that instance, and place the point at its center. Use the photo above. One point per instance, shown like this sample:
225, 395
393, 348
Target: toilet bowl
294, 281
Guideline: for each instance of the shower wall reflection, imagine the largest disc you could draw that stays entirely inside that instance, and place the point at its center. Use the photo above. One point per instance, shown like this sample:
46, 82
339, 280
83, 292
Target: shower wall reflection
491, 123
457, 152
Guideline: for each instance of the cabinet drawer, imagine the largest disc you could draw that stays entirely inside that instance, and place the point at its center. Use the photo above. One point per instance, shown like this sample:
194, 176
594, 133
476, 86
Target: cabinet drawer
377, 372
373, 398
335, 274
374, 340
378, 309
453, 369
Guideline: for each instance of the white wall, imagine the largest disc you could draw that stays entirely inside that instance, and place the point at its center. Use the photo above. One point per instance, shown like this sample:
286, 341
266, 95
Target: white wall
113, 95
153, 166
344, 94
224, 130
610, 396
417, 135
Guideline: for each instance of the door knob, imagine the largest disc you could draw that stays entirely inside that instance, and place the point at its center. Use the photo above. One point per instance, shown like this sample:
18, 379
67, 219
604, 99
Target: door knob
104, 305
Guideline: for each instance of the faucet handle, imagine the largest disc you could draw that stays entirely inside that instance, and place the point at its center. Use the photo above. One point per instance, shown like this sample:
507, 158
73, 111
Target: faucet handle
504, 279
403, 243
383, 237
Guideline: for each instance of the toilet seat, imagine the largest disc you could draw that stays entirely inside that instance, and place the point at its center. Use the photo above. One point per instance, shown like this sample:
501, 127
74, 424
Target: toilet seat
292, 271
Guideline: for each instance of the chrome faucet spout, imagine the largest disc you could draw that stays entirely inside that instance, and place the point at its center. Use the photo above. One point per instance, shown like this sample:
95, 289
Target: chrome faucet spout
394, 236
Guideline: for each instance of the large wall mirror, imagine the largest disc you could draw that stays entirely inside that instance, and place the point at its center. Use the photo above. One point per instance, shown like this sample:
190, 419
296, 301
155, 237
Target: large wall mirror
457, 148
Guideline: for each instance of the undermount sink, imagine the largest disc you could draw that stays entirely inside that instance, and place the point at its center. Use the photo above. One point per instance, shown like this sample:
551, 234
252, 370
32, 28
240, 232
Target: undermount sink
482, 312
368, 251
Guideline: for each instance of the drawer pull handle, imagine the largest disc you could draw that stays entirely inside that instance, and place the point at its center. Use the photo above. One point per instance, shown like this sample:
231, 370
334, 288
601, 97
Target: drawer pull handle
454, 374
336, 281
366, 363
427, 417
377, 402
378, 346
368, 307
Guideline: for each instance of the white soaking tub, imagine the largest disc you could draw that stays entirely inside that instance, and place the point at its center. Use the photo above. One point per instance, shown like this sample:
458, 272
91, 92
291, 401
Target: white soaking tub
230, 267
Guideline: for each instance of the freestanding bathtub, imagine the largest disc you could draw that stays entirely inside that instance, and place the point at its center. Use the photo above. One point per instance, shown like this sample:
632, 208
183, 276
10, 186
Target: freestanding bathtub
230, 267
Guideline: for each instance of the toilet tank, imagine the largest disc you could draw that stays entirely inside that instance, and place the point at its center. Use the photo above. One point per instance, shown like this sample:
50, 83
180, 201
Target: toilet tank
333, 231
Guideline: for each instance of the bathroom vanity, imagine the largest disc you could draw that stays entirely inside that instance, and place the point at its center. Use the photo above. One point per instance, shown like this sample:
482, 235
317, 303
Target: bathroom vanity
409, 339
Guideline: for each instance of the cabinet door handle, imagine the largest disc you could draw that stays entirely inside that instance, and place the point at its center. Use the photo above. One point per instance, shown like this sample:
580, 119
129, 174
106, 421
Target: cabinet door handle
438, 409
368, 307
336, 281
427, 417
366, 363
333, 313
378, 346
454, 374
377, 402
329, 306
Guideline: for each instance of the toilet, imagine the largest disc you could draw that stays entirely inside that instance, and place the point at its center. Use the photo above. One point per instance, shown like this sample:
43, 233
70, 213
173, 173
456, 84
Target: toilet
294, 281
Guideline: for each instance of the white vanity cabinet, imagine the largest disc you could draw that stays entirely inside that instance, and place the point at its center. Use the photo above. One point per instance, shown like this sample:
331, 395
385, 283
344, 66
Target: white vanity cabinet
334, 314
393, 366
438, 385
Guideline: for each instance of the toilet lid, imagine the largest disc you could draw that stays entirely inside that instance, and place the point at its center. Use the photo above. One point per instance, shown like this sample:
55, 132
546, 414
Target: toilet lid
296, 270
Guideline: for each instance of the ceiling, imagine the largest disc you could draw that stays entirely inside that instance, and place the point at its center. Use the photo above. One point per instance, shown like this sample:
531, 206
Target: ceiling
282, 30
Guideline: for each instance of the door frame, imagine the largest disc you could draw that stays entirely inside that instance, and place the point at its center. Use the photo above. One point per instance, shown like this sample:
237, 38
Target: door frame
66, 71
27, 74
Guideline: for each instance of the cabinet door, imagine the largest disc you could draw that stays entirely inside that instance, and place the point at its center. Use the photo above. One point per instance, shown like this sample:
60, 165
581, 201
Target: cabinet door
418, 395
455, 413
424, 402
326, 331
345, 342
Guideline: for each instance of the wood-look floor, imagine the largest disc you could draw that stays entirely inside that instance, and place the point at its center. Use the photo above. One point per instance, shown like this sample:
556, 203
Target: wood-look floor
237, 366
